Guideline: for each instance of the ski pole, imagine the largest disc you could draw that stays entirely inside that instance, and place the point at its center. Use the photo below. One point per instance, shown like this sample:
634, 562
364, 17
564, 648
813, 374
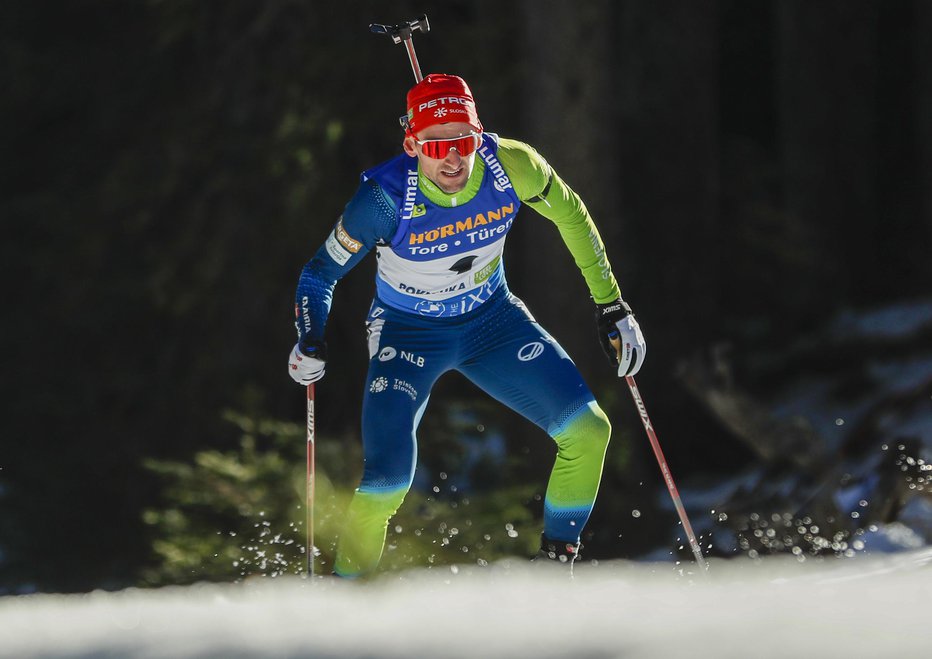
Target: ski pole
309, 503
665, 470
403, 33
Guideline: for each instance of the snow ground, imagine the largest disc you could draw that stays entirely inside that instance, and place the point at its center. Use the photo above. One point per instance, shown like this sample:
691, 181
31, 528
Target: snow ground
865, 607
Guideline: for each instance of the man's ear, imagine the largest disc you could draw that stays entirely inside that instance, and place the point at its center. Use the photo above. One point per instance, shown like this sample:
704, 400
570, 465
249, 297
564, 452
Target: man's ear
410, 146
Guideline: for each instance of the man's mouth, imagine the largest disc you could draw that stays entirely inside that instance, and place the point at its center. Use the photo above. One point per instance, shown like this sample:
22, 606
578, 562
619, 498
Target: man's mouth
452, 173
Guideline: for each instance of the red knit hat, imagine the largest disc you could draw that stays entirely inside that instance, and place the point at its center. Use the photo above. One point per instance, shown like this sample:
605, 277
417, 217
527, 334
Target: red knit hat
441, 99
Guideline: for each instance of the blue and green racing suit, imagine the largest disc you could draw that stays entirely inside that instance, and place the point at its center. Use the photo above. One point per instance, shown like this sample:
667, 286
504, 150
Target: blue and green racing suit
442, 303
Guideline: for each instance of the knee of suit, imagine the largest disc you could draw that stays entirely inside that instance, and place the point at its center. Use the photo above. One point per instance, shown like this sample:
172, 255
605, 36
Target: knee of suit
588, 430
378, 503
386, 477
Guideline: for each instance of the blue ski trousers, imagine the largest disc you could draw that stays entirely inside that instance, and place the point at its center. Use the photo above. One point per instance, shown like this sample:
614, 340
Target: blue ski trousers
506, 353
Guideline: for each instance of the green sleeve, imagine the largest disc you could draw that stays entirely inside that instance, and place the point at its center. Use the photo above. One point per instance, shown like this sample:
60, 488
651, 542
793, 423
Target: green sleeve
530, 173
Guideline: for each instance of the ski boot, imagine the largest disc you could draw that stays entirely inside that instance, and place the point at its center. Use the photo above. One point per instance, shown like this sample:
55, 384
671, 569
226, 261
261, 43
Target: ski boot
557, 553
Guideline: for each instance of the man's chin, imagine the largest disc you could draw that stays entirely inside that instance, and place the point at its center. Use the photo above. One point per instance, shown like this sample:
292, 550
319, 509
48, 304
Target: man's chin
451, 185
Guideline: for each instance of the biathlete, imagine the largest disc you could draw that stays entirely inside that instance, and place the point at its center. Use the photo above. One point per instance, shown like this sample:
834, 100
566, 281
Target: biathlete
437, 216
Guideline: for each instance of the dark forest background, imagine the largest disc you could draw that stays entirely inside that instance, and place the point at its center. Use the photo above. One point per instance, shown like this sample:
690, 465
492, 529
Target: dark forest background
168, 167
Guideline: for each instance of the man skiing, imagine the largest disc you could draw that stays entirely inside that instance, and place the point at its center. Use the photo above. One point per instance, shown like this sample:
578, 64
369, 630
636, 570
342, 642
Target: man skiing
437, 216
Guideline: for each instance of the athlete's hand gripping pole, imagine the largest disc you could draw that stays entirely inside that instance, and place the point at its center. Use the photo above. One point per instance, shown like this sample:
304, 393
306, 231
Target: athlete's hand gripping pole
665, 470
403, 33
621, 336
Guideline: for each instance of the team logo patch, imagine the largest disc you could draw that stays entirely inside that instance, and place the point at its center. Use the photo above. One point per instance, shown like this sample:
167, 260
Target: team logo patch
417, 360
487, 271
464, 265
419, 210
378, 385
388, 353
530, 351
405, 387
336, 250
351, 244
428, 308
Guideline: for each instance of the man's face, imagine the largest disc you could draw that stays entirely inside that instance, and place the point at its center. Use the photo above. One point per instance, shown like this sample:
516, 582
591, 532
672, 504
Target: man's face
451, 173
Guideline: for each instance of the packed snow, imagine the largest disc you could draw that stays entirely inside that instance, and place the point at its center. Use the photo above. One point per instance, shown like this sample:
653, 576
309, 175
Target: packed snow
871, 606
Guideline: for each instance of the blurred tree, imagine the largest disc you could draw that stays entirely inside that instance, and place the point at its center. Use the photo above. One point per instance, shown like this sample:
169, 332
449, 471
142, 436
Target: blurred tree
665, 235
233, 514
568, 117
667, 90
922, 22
827, 78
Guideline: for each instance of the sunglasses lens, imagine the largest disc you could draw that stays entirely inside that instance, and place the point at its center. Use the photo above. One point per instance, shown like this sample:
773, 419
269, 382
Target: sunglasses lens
467, 145
439, 149
436, 150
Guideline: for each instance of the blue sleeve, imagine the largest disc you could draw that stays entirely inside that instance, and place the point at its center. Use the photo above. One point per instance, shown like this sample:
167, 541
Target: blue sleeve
369, 218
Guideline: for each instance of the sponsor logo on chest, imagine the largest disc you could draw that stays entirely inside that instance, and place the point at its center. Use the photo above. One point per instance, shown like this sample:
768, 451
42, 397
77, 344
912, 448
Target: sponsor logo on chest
469, 226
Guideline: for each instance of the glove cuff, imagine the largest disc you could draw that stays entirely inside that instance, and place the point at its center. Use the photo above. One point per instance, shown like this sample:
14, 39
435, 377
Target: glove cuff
315, 349
618, 308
